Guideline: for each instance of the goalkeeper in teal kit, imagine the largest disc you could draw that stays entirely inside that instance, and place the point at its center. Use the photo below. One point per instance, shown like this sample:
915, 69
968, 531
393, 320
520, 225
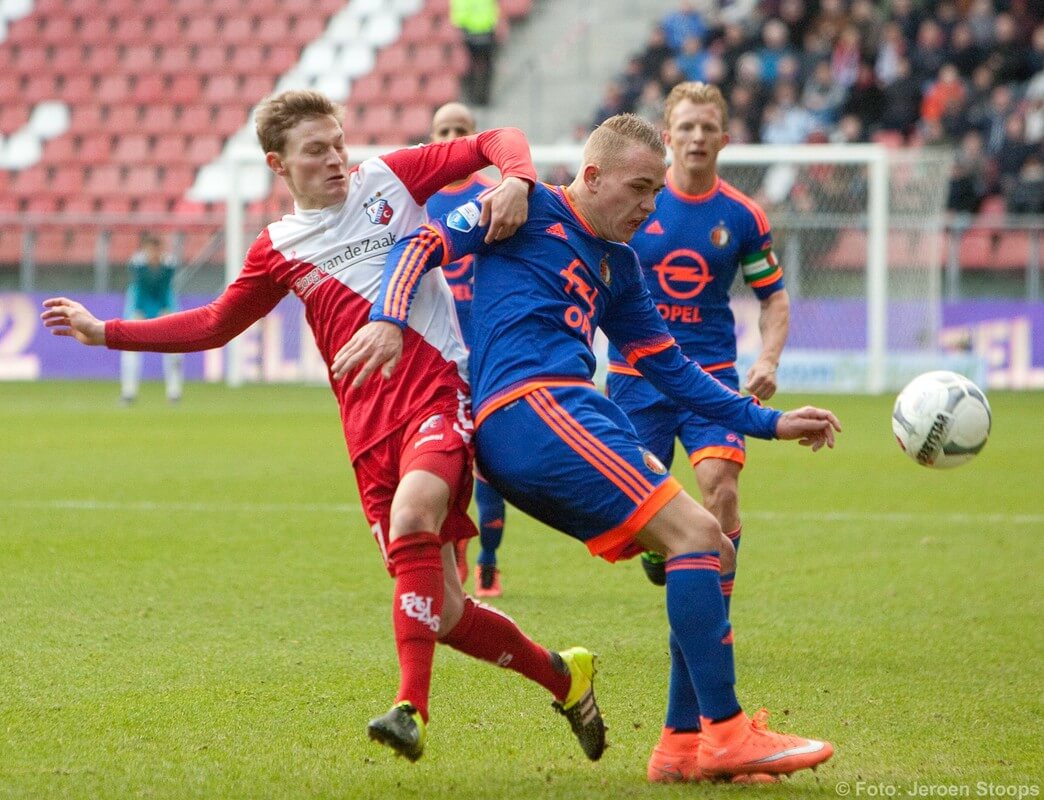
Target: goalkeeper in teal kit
562, 452
150, 294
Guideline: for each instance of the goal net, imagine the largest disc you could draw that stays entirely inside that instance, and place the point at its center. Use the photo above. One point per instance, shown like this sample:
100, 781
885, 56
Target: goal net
857, 228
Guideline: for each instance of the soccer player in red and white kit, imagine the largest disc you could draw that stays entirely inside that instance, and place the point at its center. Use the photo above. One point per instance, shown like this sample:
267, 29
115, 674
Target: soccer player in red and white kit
408, 439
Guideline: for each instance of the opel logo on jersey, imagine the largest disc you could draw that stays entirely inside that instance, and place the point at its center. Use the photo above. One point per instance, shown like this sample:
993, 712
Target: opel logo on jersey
720, 236
683, 274
380, 212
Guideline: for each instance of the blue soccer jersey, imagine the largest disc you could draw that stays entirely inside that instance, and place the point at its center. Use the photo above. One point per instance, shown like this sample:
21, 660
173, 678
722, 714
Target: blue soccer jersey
539, 297
690, 249
460, 274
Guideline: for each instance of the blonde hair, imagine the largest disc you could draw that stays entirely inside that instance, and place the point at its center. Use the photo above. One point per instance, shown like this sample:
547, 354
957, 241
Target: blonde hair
698, 93
279, 113
610, 140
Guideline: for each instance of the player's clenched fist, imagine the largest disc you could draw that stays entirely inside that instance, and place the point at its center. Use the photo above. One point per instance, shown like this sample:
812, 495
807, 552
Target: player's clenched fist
812, 427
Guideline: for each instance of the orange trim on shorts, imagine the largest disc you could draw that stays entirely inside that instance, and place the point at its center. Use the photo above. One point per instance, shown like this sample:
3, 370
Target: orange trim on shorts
510, 395
717, 451
610, 464
611, 544
620, 370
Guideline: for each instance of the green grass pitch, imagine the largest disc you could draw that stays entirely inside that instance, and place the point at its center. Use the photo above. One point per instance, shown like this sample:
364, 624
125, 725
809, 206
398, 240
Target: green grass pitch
191, 605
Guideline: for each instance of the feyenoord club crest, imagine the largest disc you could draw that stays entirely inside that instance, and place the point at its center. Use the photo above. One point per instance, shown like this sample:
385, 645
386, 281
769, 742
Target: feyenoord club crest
379, 211
603, 269
720, 236
653, 463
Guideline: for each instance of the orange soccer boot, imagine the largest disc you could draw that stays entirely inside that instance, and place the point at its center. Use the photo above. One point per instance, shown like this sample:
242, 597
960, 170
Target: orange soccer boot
744, 746
675, 759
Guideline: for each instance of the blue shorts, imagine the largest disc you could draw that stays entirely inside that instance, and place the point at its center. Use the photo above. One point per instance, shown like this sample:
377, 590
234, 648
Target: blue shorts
659, 421
567, 456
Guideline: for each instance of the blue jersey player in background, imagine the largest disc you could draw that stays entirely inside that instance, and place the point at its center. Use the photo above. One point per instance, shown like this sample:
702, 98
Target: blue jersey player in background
150, 294
702, 233
452, 121
563, 452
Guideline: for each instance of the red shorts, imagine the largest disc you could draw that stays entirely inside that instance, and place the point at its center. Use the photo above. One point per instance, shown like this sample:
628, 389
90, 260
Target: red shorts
434, 442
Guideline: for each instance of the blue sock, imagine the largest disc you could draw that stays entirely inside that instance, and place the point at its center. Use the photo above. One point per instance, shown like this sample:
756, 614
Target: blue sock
697, 617
491, 522
728, 579
683, 708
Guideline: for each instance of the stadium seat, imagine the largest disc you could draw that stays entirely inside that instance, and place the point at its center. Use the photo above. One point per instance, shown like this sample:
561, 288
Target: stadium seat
113, 88
38, 88
157, 118
430, 59
184, 88
104, 180
131, 149
238, 30
123, 118
194, 120
355, 60
149, 89
60, 151
221, 88
230, 117
57, 29
201, 29
143, 180
441, 88
174, 59
404, 90
100, 58
13, 117
415, 123
395, 59
78, 88
95, 148
96, 31
210, 59
274, 30
203, 149
381, 29
139, 58
130, 29
248, 59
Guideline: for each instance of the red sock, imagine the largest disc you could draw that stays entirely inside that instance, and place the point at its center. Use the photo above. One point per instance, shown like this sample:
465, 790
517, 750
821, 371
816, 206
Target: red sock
417, 561
490, 635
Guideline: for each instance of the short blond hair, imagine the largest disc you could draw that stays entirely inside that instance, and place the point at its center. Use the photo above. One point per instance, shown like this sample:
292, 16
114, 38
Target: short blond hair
279, 113
698, 93
610, 140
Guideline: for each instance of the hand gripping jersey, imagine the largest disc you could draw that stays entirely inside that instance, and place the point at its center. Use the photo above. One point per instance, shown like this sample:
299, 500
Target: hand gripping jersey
690, 249
539, 297
460, 274
333, 259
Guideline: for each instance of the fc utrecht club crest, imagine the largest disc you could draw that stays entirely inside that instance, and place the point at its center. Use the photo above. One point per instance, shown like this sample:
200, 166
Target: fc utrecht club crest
603, 268
652, 463
720, 235
379, 211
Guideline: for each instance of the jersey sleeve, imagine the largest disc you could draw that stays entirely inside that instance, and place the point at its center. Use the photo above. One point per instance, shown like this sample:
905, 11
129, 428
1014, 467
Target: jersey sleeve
636, 328
758, 263
433, 244
426, 169
248, 298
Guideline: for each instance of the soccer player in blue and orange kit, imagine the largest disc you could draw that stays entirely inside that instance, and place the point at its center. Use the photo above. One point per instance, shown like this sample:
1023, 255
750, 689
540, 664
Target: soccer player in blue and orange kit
581, 468
452, 121
701, 234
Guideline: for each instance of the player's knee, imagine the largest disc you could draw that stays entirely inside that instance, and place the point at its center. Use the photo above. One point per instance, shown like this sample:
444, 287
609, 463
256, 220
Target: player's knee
414, 517
727, 552
697, 531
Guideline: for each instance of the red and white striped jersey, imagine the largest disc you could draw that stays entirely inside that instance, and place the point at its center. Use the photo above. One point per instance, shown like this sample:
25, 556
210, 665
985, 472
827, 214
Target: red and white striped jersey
333, 260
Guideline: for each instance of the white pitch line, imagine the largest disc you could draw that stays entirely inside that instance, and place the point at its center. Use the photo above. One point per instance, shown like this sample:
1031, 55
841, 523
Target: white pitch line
895, 517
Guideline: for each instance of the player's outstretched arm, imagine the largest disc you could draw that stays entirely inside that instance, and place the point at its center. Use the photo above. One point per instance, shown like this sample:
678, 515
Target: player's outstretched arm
505, 208
374, 345
66, 317
812, 427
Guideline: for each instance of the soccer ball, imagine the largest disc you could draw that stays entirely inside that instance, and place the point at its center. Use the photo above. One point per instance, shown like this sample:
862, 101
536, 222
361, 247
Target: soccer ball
941, 419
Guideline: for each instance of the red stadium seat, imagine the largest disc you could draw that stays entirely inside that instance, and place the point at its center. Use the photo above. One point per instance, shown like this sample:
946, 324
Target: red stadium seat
281, 57
87, 118
139, 58
67, 180
131, 29
184, 89
97, 32
203, 149
169, 147
201, 29
13, 116
404, 90
31, 58
194, 119
77, 89
308, 28
113, 88
210, 59
253, 88
39, 88
238, 30
131, 149
157, 118
229, 118
166, 31
116, 204
429, 59
274, 30
439, 89
415, 123
143, 180
62, 150
67, 59
100, 58
173, 59
104, 180
248, 59
221, 89
394, 59
123, 118
96, 148
149, 89
57, 29
377, 124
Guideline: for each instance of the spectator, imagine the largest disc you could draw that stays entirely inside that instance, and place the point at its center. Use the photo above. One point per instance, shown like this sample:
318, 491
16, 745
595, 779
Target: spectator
734, 43
612, 103
1035, 57
656, 52
796, 16
814, 48
631, 81
744, 106
947, 18
1012, 153
902, 100
866, 99
907, 15
1009, 58
822, 97
865, 17
670, 76
683, 23
846, 56
964, 52
929, 54
650, 103
784, 121
776, 45
849, 130
893, 47
968, 184
1027, 195
477, 21
947, 91
980, 19
991, 125
693, 59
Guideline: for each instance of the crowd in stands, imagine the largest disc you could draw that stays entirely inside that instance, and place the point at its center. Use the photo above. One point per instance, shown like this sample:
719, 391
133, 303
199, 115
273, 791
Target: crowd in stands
966, 74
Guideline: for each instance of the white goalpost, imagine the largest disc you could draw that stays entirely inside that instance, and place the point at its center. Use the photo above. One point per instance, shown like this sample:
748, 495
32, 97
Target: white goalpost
857, 228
